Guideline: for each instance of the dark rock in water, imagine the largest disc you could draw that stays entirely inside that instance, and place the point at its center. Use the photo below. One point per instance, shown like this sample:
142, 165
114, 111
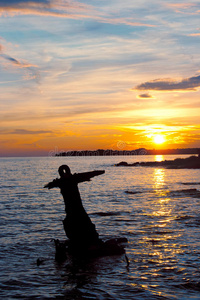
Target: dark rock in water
60, 254
125, 164
192, 162
122, 163
109, 247
40, 262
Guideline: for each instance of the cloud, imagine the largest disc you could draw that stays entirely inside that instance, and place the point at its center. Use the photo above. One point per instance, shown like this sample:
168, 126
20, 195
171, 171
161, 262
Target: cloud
1, 48
181, 5
11, 59
184, 7
194, 34
56, 8
145, 96
63, 9
24, 131
187, 84
13, 2
17, 62
32, 73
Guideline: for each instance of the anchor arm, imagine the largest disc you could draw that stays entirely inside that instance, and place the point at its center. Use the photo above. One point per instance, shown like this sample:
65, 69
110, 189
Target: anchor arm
86, 176
53, 184
78, 177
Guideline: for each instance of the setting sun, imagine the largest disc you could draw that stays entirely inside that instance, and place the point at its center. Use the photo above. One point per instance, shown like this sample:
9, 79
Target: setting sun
158, 139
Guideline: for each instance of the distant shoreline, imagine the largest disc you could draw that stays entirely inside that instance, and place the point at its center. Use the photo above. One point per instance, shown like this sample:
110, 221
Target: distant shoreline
141, 151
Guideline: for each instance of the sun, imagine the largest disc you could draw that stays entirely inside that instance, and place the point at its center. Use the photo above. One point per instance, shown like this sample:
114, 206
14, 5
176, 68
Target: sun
159, 139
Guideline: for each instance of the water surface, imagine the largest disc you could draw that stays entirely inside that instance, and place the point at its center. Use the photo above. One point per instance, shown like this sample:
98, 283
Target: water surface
156, 209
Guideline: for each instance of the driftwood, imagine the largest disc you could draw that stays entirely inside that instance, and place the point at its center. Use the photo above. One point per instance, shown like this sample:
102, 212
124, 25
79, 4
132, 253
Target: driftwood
83, 239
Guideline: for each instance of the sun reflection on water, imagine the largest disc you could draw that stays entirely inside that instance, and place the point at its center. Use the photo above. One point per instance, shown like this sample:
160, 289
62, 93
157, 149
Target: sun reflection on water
159, 157
159, 178
162, 203
159, 236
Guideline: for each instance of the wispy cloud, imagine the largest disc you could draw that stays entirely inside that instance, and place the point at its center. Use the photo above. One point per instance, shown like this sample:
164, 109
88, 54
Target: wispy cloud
187, 84
25, 131
63, 9
195, 34
1, 48
184, 7
54, 8
17, 63
32, 70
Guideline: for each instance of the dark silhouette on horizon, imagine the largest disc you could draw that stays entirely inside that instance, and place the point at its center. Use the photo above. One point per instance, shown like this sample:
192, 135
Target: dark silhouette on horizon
140, 151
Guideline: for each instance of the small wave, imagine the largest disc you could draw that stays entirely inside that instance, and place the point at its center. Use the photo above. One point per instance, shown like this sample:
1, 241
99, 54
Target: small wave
183, 218
186, 192
163, 232
7, 187
191, 221
133, 192
190, 183
23, 195
105, 214
13, 283
176, 193
189, 286
197, 221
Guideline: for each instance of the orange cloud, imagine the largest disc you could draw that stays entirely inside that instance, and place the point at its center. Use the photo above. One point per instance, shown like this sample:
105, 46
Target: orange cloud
1, 48
181, 5
194, 34
184, 7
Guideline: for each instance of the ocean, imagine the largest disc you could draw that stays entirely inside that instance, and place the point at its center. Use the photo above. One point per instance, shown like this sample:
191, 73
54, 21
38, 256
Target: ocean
156, 209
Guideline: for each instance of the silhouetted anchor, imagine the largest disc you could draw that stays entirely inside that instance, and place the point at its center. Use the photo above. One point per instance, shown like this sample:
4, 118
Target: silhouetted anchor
83, 238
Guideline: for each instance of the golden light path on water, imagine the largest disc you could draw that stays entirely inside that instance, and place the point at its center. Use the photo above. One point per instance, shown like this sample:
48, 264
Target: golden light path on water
160, 247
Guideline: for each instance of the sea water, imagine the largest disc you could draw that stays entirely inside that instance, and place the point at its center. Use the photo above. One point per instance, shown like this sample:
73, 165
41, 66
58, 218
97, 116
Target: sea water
156, 209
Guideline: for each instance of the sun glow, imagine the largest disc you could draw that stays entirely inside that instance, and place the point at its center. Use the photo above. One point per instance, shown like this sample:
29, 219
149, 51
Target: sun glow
158, 139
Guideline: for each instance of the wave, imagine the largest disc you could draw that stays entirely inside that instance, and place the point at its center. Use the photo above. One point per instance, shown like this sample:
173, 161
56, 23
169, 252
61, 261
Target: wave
185, 192
189, 286
133, 192
176, 193
105, 214
190, 183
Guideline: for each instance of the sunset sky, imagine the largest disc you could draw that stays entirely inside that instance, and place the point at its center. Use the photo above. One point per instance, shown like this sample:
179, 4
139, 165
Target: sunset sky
98, 74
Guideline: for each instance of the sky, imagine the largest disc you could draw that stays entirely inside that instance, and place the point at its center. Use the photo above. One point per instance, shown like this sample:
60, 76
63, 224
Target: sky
94, 74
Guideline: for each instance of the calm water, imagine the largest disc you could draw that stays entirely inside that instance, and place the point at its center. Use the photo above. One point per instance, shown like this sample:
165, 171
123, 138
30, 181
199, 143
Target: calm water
153, 208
